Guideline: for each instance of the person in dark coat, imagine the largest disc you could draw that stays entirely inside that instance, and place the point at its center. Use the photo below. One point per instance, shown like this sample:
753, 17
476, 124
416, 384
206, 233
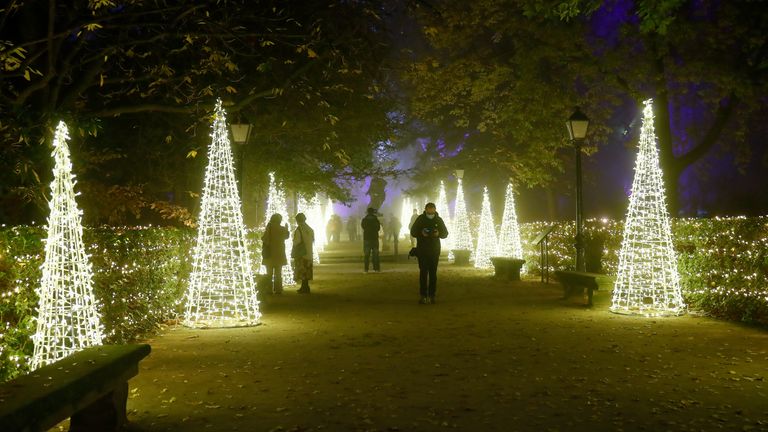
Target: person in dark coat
428, 229
273, 251
371, 227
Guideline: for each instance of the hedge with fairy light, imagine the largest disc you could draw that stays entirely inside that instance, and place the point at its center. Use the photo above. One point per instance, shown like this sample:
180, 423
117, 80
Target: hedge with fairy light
723, 262
139, 279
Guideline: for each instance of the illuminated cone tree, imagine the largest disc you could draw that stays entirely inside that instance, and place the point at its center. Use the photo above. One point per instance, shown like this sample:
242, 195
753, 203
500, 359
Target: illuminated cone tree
509, 237
405, 217
277, 203
67, 316
441, 206
647, 281
222, 290
486, 235
462, 237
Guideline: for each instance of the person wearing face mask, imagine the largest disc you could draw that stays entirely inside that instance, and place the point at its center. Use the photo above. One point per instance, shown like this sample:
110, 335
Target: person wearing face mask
428, 229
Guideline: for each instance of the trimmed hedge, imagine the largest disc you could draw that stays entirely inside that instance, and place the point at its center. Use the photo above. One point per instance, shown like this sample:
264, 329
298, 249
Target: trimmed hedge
140, 273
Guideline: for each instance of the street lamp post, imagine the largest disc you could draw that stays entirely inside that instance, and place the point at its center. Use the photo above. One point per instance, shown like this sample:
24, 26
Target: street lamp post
577, 126
240, 134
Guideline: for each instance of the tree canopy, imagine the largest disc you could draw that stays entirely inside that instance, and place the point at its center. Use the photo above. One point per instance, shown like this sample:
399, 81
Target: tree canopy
504, 74
136, 75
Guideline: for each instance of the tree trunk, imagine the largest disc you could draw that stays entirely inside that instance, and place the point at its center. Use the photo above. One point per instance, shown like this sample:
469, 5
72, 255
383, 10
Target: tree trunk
663, 129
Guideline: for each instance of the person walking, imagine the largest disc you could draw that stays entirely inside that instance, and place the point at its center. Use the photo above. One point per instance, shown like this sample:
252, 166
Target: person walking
410, 224
273, 251
301, 253
428, 228
371, 227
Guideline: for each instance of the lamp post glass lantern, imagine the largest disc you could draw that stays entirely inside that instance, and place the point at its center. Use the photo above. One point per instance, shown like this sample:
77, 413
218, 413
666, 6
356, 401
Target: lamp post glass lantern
577, 126
240, 134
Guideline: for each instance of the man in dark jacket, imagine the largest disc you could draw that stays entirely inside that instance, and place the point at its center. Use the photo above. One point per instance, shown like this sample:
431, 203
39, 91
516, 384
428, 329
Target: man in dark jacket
371, 227
428, 229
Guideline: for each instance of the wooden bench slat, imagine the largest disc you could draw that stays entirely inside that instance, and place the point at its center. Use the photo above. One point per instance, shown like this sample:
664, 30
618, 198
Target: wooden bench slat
44, 397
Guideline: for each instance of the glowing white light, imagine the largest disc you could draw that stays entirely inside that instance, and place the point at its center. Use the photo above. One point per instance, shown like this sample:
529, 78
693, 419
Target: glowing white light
68, 319
326, 220
462, 237
486, 235
405, 217
222, 290
312, 210
276, 203
509, 238
647, 281
441, 205
318, 219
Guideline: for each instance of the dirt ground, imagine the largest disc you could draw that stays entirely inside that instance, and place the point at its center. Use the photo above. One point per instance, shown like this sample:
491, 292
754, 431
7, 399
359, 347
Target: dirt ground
360, 353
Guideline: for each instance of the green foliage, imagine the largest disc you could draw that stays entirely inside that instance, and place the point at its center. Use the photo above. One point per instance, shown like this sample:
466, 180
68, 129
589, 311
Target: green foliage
723, 262
21, 255
139, 278
499, 78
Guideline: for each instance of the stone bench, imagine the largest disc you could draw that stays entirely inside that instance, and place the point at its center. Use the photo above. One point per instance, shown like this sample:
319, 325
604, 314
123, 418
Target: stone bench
577, 282
507, 268
90, 387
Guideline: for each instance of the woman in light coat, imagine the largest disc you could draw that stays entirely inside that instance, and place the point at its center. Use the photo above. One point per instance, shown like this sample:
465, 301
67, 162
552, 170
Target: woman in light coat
303, 238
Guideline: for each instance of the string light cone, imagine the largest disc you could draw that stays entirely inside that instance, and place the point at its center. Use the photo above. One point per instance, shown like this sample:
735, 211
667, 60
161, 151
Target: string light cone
277, 203
509, 237
647, 281
68, 319
405, 217
463, 236
486, 235
441, 206
222, 289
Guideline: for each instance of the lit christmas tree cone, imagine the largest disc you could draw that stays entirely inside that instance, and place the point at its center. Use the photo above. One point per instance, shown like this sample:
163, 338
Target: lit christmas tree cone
647, 282
222, 289
68, 319
486, 235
